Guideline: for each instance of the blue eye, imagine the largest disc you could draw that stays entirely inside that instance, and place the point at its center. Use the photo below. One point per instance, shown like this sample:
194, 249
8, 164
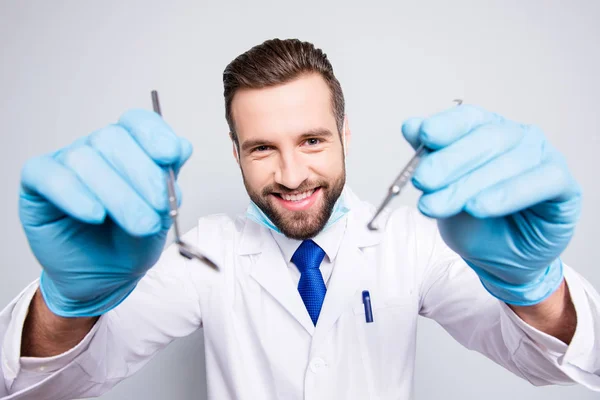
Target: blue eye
313, 141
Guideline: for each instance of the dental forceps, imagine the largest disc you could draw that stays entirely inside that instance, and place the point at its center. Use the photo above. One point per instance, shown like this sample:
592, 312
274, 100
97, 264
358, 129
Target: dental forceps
185, 249
402, 179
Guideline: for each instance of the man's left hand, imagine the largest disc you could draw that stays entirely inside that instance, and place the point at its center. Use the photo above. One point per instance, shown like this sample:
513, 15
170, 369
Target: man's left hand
503, 197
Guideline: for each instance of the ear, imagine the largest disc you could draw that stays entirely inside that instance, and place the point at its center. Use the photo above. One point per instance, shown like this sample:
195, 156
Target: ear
347, 133
234, 149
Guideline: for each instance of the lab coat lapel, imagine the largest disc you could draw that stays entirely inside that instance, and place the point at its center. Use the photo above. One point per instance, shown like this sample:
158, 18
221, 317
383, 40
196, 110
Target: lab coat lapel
348, 273
271, 272
344, 283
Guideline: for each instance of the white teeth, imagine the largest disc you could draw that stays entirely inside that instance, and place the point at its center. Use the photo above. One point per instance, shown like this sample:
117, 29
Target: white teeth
298, 196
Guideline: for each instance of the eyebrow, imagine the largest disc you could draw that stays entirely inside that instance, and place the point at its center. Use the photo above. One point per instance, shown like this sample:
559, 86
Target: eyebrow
312, 133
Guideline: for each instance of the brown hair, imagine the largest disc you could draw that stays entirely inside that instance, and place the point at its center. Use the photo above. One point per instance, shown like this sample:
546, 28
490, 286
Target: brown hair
276, 62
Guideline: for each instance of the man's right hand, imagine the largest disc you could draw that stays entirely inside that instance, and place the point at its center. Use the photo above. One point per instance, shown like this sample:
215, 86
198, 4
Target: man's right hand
95, 213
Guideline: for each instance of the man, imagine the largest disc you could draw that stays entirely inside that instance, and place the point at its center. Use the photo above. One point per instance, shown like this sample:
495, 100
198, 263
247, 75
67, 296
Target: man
284, 317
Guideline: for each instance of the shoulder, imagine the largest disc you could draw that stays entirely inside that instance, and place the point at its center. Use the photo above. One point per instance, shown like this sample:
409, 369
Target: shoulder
215, 231
411, 220
223, 236
216, 225
216, 236
401, 220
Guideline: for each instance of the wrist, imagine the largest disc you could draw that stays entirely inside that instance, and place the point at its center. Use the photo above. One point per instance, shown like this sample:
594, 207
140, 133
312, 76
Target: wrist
70, 300
555, 316
46, 334
525, 294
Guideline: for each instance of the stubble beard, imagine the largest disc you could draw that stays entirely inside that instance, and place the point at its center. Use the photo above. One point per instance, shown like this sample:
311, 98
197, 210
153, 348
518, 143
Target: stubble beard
300, 225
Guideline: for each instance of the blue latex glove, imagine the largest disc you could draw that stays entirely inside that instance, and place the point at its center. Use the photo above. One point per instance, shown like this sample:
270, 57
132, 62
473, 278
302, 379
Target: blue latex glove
95, 213
503, 198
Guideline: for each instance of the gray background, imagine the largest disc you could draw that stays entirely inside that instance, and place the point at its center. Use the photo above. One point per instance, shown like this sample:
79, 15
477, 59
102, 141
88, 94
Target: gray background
71, 67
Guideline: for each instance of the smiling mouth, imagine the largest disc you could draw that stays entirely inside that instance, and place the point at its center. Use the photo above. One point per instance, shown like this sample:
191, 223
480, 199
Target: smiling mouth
296, 196
299, 201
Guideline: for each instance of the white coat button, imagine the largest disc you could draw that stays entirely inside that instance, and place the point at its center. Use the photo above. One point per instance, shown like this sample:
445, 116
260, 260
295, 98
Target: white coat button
317, 364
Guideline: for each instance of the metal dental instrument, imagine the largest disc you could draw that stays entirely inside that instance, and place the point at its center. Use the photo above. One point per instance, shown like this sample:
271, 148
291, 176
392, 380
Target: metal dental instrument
403, 178
185, 249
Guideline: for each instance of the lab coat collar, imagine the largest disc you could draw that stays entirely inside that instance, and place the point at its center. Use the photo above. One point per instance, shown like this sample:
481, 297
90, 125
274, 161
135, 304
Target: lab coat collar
252, 238
329, 240
360, 214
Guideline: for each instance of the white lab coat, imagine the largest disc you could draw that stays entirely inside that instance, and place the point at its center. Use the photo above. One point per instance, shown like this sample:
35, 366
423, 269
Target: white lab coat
260, 342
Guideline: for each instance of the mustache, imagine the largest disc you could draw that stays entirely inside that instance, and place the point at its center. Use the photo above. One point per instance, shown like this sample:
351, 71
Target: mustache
281, 189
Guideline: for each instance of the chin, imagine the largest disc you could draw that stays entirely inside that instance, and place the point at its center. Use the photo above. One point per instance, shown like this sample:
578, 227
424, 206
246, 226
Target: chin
302, 227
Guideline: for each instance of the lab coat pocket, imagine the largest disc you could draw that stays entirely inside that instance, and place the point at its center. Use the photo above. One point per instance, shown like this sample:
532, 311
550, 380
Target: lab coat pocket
387, 344
378, 304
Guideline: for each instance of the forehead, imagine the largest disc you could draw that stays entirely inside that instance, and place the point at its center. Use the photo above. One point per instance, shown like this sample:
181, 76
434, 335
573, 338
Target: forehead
294, 107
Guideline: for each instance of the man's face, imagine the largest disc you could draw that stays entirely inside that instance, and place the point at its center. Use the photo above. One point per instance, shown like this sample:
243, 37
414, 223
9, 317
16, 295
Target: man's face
291, 155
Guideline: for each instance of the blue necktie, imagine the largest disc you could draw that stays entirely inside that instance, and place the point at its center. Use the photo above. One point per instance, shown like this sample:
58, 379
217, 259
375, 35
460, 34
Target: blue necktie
312, 289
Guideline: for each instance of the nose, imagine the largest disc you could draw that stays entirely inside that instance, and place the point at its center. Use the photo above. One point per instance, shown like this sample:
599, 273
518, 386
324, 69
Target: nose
292, 171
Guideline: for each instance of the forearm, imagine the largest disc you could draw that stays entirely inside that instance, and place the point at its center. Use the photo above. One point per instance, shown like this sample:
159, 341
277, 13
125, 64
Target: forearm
554, 316
45, 334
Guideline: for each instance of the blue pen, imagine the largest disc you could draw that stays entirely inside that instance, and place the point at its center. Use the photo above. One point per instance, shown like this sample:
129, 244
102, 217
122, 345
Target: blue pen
367, 303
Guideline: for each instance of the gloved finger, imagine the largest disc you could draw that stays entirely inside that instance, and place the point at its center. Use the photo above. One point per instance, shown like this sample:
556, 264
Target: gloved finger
481, 145
451, 200
186, 152
154, 135
44, 180
410, 131
548, 181
133, 164
122, 202
448, 126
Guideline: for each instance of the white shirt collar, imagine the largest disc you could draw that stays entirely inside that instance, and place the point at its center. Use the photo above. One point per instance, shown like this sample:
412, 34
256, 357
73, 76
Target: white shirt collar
329, 240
